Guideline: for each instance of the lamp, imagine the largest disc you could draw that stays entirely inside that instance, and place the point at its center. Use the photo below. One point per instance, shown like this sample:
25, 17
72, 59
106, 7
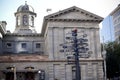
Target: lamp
29, 68
13, 68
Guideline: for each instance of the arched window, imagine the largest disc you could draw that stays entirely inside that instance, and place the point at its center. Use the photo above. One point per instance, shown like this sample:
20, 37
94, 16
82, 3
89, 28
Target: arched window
32, 20
25, 20
18, 20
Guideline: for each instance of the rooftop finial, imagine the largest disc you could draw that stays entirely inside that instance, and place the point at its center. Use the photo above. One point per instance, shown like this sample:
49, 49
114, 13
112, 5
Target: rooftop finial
25, 2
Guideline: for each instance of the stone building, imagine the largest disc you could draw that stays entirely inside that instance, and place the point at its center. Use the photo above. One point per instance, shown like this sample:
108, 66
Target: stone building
28, 55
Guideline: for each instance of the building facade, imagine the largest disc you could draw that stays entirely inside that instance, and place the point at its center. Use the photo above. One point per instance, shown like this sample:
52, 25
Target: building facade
116, 22
28, 55
107, 30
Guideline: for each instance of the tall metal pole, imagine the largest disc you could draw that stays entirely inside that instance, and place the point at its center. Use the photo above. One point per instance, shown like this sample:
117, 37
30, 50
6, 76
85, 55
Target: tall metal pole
104, 61
78, 72
14, 70
105, 75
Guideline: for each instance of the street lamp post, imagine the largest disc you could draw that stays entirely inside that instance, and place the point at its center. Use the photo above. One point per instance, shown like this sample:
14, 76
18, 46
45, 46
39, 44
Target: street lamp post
14, 71
104, 60
39, 72
104, 63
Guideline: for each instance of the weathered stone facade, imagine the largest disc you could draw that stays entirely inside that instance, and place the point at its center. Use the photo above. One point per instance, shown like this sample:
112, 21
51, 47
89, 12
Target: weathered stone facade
26, 52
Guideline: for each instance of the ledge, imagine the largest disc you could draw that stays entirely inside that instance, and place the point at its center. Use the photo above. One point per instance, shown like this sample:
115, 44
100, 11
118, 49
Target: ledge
39, 58
14, 58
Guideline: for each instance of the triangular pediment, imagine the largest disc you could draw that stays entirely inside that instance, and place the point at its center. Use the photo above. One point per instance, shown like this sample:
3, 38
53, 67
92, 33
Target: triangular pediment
74, 13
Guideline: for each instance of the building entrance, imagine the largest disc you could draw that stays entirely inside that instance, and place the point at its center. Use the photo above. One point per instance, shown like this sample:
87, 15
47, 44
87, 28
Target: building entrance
9, 76
20, 76
29, 76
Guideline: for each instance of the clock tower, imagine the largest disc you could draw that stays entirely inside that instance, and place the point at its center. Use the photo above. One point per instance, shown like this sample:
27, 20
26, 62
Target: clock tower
25, 16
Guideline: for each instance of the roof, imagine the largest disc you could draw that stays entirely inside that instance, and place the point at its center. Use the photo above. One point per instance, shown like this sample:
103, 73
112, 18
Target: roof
3, 27
116, 9
72, 9
25, 7
64, 15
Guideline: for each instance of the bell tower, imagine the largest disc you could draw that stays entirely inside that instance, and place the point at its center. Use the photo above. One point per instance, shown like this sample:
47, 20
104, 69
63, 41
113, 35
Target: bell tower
25, 16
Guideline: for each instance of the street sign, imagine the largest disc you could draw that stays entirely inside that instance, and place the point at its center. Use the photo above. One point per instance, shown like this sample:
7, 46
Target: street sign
84, 55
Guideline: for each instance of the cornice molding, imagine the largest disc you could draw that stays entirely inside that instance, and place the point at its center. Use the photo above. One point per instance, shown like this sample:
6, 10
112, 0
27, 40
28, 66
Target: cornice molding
74, 20
53, 61
23, 35
73, 9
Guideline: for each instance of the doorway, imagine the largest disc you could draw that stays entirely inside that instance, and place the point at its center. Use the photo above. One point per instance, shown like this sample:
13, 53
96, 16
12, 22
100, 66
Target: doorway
9, 76
29, 76
20, 76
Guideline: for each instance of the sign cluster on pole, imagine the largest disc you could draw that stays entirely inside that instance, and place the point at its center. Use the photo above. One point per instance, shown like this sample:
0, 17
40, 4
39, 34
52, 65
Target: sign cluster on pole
78, 46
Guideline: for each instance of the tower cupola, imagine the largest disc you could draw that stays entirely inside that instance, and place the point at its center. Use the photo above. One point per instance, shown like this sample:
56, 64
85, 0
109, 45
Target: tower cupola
25, 7
25, 16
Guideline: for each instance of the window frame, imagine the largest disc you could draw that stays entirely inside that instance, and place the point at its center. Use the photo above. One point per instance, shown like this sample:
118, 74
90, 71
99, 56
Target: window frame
37, 45
25, 20
24, 45
8, 46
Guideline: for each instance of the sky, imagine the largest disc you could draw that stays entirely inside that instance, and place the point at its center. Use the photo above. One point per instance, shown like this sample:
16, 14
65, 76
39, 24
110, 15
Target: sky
8, 7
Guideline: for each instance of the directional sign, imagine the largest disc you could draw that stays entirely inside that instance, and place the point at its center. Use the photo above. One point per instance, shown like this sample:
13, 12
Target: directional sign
84, 55
69, 38
61, 50
85, 35
70, 59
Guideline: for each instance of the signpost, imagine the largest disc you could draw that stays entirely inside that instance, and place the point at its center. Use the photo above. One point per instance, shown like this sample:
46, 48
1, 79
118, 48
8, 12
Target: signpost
78, 46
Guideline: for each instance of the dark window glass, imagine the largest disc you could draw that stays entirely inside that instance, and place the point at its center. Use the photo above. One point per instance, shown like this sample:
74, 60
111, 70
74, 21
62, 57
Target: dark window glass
32, 19
38, 45
9, 45
25, 21
73, 73
24, 45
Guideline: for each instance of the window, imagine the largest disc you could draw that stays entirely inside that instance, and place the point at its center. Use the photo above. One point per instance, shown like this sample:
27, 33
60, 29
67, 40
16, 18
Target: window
8, 45
18, 20
38, 45
32, 19
25, 21
117, 13
24, 45
73, 73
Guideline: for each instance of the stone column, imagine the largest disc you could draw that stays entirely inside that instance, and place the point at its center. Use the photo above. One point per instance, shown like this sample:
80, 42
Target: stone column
92, 43
62, 72
90, 72
100, 71
68, 72
61, 41
98, 45
56, 43
51, 72
50, 43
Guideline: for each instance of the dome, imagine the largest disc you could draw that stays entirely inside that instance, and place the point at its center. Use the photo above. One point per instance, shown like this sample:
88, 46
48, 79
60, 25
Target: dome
25, 8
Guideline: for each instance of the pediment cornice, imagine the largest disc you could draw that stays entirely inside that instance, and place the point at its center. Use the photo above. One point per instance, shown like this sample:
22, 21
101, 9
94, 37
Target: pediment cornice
72, 14
74, 9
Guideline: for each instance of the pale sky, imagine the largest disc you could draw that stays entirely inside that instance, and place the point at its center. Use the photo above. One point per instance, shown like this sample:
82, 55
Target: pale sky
8, 7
